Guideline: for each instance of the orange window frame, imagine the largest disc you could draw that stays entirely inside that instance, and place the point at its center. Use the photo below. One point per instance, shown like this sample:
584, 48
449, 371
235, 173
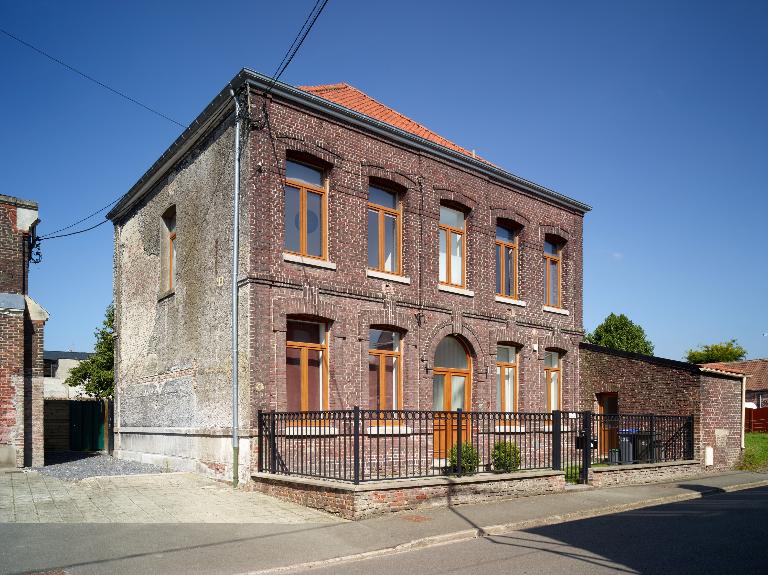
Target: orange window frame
171, 247
382, 355
503, 366
557, 260
304, 348
502, 246
462, 234
398, 215
548, 372
304, 189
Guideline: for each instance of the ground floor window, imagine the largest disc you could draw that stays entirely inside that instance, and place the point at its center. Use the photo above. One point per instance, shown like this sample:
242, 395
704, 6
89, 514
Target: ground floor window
506, 378
552, 376
384, 379
305, 366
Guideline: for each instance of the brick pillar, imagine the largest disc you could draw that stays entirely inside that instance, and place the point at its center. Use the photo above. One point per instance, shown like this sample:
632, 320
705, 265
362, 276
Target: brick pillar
12, 388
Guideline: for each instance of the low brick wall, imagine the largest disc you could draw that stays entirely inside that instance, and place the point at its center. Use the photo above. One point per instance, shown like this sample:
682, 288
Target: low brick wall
621, 475
375, 498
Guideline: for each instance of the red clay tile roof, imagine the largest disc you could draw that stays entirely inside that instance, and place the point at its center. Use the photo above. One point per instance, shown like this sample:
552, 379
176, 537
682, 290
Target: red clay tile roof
352, 98
756, 368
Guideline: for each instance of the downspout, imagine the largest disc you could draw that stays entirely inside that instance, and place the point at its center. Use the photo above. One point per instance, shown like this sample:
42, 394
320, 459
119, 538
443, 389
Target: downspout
743, 407
235, 265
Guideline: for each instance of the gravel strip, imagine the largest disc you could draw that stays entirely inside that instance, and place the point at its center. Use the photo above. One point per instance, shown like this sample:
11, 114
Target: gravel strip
82, 465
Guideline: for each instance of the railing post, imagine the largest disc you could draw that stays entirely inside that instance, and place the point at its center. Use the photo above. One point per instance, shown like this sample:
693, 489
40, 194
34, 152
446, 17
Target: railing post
557, 454
356, 444
689, 439
272, 442
260, 427
458, 441
652, 442
586, 453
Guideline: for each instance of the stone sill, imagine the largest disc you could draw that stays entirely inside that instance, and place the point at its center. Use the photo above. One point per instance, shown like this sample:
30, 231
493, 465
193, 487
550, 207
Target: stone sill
387, 276
456, 290
394, 484
557, 310
311, 262
510, 301
631, 466
203, 431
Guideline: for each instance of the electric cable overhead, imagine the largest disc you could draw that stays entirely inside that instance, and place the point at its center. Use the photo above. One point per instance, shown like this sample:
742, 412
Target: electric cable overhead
91, 78
88, 217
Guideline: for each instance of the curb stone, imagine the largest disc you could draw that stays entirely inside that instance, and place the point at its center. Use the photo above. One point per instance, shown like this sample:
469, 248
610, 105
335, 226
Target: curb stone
469, 534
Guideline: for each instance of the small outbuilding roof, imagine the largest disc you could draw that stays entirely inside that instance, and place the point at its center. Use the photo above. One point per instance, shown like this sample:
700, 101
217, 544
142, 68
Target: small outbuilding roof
755, 369
54, 355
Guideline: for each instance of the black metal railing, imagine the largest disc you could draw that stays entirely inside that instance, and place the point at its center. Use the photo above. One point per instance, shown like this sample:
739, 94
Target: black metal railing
359, 445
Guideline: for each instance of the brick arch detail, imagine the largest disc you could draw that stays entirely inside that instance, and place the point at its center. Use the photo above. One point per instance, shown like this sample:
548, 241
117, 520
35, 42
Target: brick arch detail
317, 149
510, 335
469, 337
447, 195
310, 305
562, 233
398, 320
382, 173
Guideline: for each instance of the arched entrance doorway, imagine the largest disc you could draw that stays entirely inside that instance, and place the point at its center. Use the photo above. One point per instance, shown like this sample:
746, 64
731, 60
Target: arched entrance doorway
451, 390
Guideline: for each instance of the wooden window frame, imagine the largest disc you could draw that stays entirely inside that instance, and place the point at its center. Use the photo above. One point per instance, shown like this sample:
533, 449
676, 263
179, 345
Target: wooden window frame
548, 371
461, 233
503, 366
502, 245
304, 348
304, 189
171, 247
548, 260
398, 214
382, 354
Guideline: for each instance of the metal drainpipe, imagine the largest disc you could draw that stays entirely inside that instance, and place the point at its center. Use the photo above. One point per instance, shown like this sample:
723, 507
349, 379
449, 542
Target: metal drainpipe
235, 262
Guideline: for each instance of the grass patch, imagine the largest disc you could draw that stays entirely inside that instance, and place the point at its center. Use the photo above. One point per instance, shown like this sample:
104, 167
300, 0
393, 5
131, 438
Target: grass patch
755, 457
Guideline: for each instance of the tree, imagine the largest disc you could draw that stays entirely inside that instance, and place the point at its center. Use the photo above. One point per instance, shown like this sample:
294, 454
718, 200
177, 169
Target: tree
717, 352
97, 373
619, 332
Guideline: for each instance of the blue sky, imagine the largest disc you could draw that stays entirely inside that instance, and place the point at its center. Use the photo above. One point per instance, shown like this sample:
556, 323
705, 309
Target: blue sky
654, 113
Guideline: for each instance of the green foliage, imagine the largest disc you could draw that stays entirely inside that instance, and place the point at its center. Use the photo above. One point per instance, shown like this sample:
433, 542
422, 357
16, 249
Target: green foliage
505, 456
619, 332
97, 373
755, 457
717, 352
470, 459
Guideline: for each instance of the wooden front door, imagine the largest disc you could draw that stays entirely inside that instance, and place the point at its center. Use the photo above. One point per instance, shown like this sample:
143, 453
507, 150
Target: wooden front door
608, 426
452, 391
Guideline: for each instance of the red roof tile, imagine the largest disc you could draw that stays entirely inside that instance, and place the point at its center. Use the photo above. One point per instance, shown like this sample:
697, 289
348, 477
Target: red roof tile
352, 98
756, 368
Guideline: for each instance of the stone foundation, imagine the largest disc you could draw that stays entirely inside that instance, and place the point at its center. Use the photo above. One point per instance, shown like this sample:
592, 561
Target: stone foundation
375, 498
638, 474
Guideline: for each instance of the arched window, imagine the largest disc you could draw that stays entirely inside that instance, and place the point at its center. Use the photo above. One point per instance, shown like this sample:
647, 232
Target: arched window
168, 267
384, 230
384, 370
304, 210
506, 262
451, 380
306, 361
452, 247
552, 272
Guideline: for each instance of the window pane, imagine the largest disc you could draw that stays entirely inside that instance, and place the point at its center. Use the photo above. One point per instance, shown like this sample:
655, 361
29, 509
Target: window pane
315, 379
304, 332
554, 283
373, 239
505, 354
314, 225
373, 382
499, 406
457, 392
498, 268
550, 248
382, 197
504, 234
453, 218
451, 354
509, 265
292, 219
390, 243
390, 383
303, 173
173, 262
293, 378
456, 257
443, 272
438, 401
383, 340
509, 389
551, 359
554, 390
170, 223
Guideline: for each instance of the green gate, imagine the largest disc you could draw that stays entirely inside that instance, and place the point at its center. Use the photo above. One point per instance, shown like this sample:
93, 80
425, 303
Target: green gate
86, 425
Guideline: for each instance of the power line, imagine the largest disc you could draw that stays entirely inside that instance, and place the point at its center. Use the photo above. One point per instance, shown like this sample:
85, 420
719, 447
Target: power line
88, 217
102, 222
90, 78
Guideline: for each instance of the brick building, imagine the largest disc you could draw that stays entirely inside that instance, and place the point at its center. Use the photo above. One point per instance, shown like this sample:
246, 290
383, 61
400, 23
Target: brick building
21, 340
346, 294
756, 371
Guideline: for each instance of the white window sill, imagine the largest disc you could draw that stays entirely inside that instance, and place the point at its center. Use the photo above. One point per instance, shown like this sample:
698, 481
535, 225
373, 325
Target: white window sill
389, 430
387, 276
456, 290
311, 430
509, 429
305, 261
510, 301
557, 310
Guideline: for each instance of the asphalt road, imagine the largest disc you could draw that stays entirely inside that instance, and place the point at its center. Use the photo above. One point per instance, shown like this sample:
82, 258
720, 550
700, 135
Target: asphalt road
725, 533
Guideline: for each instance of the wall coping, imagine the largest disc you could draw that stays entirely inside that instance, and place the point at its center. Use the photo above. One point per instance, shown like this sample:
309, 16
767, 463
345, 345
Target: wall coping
633, 466
204, 431
410, 483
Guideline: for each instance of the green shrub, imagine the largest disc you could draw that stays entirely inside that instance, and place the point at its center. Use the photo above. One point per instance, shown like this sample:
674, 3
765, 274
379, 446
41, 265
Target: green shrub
505, 457
470, 459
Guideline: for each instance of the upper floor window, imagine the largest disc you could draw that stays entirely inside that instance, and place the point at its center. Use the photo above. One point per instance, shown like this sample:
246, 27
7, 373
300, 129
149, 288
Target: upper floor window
452, 247
506, 262
506, 378
552, 273
169, 249
305, 366
553, 381
304, 216
384, 379
384, 230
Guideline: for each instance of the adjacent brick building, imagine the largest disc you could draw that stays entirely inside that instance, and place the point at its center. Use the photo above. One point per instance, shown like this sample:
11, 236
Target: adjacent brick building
756, 371
21, 339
